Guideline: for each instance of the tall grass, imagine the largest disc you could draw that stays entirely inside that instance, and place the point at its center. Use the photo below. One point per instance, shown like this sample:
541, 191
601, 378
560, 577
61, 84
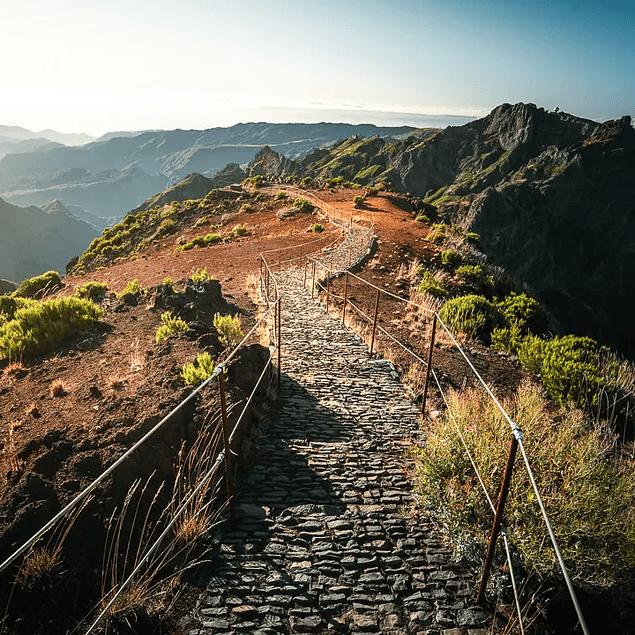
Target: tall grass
587, 486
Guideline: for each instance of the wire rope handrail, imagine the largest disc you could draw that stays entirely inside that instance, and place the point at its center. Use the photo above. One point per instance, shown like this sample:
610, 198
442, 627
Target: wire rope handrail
517, 435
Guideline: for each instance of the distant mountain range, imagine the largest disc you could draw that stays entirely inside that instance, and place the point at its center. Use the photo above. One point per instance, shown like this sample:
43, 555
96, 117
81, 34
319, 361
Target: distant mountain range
35, 240
119, 171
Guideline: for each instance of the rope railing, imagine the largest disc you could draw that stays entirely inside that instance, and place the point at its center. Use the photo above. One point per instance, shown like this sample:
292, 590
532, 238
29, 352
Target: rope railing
224, 457
322, 284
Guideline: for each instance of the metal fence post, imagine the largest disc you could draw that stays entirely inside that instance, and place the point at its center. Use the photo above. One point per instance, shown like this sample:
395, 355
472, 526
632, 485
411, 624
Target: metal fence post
345, 299
429, 366
372, 339
313, 283
279, 339
306, 263
328, 289
500, 508
226, 446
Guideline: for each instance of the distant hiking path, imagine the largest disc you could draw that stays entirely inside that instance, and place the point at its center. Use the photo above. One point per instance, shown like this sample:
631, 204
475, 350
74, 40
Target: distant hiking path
326, 539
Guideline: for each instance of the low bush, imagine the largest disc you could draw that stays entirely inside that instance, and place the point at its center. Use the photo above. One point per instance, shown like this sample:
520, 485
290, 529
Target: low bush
317, 228
571, 371
39, 286
239, 230
433, 286
525, 313
229, 329
36, 327
451, 258
200, 275
473, 316
195, 374
475, 275
303, 205
133, 287
92, 290
589, 492
169, 326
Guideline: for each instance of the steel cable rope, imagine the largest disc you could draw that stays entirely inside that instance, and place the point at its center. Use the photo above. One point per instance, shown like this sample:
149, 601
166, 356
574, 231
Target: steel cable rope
312, 242
219, 368
518, 434
156, 544
516, 431
253, 392
467, 451
503, 533
554, 542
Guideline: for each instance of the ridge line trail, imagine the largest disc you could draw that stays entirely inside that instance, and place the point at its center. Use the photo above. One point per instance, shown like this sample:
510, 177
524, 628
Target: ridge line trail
325, 539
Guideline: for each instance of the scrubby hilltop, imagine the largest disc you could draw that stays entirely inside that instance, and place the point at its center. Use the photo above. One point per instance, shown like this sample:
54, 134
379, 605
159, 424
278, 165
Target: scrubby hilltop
551, 195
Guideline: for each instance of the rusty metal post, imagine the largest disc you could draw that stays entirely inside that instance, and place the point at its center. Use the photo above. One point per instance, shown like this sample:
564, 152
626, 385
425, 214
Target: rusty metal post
328, 290
261, 286
267, 284
345, 299
279, 339
313, 283
500, 508
372, 339
429, 366
226, 446
306, 264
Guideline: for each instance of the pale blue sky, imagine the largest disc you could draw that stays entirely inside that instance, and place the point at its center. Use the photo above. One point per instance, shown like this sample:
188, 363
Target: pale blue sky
95, 66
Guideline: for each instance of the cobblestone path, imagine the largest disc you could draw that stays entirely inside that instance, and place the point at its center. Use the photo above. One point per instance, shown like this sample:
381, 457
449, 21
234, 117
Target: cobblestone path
326, 540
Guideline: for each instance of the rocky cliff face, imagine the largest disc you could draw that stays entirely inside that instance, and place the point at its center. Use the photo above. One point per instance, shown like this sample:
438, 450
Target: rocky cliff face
552, 196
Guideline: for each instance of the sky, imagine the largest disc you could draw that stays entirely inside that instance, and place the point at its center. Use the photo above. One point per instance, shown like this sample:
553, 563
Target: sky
95, 66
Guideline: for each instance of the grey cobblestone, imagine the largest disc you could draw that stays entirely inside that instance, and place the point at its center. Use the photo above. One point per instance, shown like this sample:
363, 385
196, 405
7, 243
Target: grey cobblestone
325, 508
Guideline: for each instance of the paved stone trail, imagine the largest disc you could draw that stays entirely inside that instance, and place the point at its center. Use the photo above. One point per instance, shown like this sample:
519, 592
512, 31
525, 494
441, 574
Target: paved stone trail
326, 541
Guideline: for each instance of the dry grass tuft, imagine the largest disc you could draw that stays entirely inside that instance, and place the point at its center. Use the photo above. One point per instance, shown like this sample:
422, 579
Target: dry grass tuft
117, 381
32, 410
58, 388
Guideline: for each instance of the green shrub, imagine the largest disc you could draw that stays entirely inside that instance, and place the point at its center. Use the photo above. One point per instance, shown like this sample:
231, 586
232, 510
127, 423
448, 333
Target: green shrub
167, 226
317, 228
39, 286
200, 275
36, 327
240, 230
525, 313
474, 240
229, 329
303, 205
194, 374
92, 290
169, 326
422, 218
451, 258
433, 286
475, 276
281, 195
571, 373
359, 200
132, 287
530, 351
473, 316
589, 494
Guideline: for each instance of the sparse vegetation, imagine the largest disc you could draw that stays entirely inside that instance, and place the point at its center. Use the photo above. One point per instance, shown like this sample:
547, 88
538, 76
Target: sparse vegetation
229, 329
472, 316
169, 326
200, 275
194, 374
35, 327
92, 290
39, 286
132, 287
317, 228
58, 388
589, 491
303, 205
